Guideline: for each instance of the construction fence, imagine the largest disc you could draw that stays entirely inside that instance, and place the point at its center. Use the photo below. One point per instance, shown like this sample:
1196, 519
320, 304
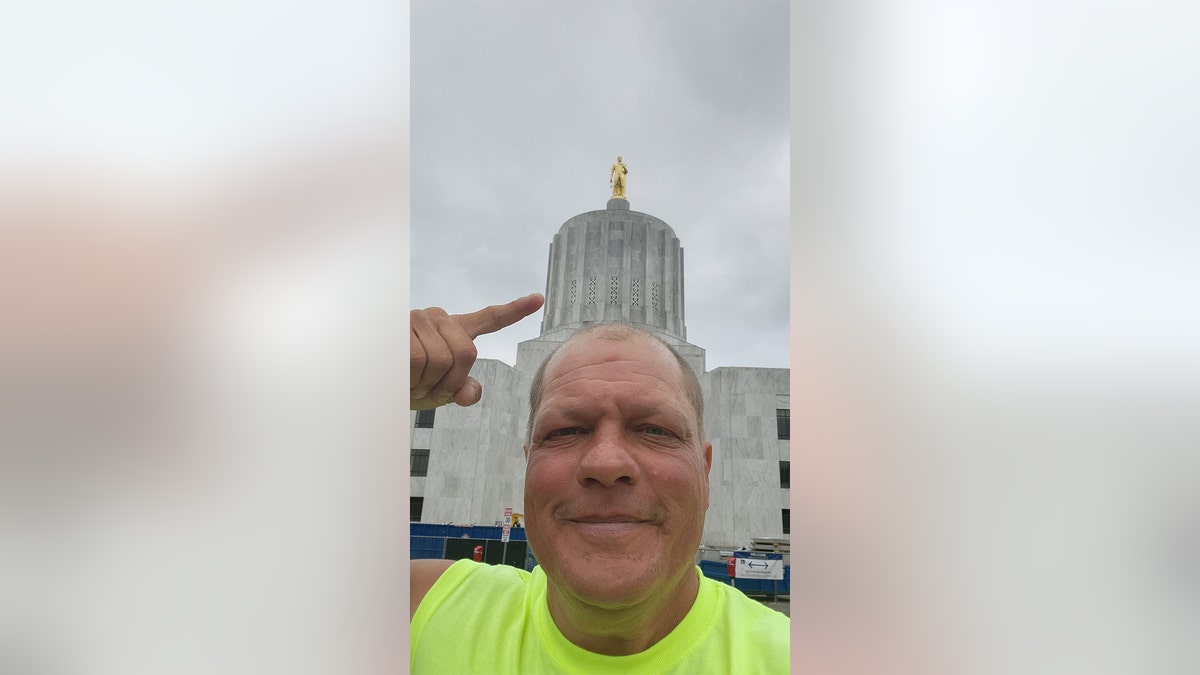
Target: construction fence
454, 542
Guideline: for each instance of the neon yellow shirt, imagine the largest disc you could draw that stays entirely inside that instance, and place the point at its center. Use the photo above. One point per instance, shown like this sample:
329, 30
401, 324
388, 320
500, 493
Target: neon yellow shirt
485, 619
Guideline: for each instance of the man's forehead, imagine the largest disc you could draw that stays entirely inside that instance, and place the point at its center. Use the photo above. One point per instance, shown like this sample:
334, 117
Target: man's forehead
644, 355
634, 347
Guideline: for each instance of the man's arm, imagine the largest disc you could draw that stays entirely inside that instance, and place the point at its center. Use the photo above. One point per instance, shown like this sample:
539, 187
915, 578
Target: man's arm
442, 352
422, 574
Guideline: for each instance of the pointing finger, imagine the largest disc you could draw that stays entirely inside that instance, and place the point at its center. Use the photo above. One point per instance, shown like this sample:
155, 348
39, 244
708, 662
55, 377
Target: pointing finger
492, 319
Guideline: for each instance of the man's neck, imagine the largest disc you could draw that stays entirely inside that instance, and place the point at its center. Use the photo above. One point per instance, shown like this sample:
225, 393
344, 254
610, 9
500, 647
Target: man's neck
625, 630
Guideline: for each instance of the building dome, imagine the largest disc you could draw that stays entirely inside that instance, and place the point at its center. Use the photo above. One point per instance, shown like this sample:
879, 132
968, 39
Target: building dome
615, 265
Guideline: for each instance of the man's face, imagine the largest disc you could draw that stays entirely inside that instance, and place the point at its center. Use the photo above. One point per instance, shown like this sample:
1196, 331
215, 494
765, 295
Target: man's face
616, 483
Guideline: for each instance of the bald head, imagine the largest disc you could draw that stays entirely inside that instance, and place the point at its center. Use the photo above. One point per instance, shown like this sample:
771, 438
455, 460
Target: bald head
616, 332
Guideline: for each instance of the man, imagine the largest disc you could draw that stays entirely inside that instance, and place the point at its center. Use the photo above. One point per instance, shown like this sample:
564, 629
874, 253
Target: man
616, 488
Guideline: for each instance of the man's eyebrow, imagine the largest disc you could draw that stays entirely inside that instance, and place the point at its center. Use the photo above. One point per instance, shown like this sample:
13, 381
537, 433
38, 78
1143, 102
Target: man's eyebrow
637, 411
681, 417
557, 414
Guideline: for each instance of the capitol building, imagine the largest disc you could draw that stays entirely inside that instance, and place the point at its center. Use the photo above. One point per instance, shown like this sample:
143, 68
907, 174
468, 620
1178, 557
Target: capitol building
613, 264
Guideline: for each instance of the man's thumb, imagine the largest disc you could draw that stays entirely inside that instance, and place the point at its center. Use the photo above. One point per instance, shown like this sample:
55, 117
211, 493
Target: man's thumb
470, 393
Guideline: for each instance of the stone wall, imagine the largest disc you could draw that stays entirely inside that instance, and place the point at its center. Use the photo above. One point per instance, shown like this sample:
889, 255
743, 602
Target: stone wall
476, 460
745, 499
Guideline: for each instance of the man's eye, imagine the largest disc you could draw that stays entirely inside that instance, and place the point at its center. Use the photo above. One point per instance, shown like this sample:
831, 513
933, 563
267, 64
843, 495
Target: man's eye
569, 431
656, 431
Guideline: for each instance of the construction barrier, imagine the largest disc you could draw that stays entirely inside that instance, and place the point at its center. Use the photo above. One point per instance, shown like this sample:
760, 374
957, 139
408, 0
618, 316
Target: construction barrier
428, 540
453, 542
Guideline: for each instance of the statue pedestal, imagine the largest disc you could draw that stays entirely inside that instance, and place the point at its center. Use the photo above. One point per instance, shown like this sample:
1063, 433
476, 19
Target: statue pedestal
618, 203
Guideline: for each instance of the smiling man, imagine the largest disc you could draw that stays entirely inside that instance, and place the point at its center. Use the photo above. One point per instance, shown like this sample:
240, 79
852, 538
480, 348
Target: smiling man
616, 489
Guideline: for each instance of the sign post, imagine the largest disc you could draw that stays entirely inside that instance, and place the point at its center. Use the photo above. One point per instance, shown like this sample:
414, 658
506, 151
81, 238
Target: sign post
504, 533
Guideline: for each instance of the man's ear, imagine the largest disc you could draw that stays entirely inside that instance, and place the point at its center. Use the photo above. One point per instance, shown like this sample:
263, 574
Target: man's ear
707, 471
526, 449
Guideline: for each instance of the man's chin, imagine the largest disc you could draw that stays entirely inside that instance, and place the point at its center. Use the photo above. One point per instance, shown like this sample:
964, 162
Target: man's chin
614, 596
612, 584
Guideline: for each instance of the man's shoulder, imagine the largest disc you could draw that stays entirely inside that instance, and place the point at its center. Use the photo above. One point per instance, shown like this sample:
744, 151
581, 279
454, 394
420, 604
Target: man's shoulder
457, 594
477, 618
440, 578
422, 575
742, 608
758, 636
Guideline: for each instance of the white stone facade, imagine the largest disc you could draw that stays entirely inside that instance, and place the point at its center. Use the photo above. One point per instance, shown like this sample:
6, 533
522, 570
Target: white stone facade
740, 419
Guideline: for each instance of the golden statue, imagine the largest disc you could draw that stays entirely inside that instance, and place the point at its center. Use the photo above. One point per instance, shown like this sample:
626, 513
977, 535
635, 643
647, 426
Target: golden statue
616, 176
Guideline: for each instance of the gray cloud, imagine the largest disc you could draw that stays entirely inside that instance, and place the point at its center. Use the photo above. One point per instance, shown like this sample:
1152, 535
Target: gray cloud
518, 109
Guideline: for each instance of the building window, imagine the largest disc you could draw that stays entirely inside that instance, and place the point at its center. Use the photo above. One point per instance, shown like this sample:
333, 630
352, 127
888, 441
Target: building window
783, 420
425, 419
785, 473
418, 464
414, 508
787, 521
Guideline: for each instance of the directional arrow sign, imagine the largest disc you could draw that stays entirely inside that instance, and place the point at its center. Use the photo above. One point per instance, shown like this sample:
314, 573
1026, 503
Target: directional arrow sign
758, 565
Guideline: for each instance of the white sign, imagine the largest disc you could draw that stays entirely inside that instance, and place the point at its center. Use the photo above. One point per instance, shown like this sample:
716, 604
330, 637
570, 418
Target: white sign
508, 524
758, 565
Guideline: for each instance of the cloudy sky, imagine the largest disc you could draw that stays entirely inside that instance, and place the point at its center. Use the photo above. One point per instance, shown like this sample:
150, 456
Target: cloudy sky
518, 111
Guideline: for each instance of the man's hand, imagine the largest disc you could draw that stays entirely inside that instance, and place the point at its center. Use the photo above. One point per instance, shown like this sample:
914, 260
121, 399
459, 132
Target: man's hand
443, 351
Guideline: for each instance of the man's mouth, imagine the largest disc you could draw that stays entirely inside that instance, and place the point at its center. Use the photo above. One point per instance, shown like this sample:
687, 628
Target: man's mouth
605, 519
608, 525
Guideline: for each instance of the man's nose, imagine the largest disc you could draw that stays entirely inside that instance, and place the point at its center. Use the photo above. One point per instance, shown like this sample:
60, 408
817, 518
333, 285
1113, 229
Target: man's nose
608, 460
